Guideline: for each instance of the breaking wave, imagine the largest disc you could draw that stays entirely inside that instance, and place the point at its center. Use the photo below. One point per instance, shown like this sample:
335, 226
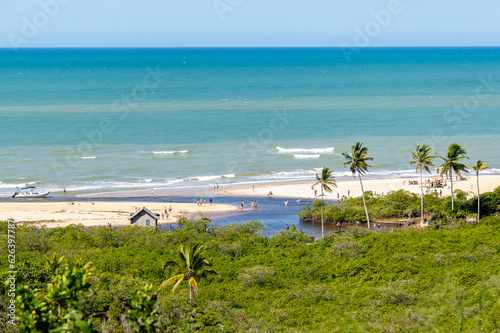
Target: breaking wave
305, 150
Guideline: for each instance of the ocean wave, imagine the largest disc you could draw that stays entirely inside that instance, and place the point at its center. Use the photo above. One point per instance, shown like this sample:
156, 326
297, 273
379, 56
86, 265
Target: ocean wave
290, 175
98, 184
302, 156
340, 173
169, 152
88, 157
207, 178
489, 171
11, 186
304, 150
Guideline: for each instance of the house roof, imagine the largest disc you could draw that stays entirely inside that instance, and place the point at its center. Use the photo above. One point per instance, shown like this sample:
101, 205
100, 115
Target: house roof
147, 211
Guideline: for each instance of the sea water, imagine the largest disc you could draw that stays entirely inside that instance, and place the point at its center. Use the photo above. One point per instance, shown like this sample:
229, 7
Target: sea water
105, 119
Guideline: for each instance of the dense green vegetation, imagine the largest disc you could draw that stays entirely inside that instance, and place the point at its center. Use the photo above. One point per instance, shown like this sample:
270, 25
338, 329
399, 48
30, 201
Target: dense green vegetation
402, 205
445, 280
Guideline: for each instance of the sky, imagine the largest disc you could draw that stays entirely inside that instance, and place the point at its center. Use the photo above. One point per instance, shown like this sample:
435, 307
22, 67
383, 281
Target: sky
248, 23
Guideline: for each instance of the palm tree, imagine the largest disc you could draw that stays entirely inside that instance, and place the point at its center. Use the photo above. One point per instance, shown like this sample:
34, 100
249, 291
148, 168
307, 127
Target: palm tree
193, 265
325, 181
422, 159
451, 164
479, 166
54, 263
357, 164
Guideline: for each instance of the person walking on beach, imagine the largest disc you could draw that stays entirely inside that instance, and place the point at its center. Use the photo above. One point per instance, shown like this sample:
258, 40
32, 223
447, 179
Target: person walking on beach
255, 204
349, 193
253, 188
242, 203
287, 227
210, 201
286, 203
152, 193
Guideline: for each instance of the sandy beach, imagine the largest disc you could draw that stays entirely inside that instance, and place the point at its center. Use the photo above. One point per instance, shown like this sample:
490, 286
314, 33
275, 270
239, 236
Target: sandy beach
97, 213
352, 187
101, 213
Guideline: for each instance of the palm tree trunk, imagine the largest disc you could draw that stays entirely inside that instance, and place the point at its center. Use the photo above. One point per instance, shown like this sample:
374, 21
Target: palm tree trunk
452, 203
421, 199
192, 296
364, 201
478, 198
322, 223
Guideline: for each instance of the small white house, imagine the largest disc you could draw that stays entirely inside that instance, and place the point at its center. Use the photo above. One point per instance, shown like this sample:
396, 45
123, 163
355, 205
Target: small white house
144, 217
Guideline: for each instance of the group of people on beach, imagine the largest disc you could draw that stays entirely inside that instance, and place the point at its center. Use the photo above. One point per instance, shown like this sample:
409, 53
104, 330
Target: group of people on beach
253, 204
203, 202
166, 213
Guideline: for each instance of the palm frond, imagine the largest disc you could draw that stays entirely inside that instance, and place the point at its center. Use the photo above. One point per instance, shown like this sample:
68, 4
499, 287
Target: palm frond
192, 282
172, 279
357, 161
480, 166
325, 180
422, 158
194, 264
168, 264
178, 283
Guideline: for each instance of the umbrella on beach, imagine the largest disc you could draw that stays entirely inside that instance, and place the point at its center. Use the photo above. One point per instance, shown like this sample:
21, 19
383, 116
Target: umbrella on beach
437, 178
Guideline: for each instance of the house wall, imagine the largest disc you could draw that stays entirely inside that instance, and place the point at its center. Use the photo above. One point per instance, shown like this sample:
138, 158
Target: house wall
141, 220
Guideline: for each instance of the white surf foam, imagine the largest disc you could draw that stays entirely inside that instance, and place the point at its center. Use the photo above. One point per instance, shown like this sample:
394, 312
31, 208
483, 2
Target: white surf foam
88, 157
304, 150
208, 178
169, 152
303, 156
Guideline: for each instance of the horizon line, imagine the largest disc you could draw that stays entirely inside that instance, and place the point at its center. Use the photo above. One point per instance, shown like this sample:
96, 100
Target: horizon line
250, 47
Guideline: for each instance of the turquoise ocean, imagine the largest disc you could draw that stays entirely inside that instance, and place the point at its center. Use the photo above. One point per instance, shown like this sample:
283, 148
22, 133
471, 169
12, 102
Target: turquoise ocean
97, 120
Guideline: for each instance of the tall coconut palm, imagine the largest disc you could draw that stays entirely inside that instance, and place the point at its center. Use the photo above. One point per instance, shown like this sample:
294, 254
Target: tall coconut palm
193, 265
357, 163
479, 166
451, 164
422, 159
325, 180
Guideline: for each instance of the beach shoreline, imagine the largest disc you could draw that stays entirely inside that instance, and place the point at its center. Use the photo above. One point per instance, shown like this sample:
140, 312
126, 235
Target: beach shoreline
99, 213
93, 211
352, 188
